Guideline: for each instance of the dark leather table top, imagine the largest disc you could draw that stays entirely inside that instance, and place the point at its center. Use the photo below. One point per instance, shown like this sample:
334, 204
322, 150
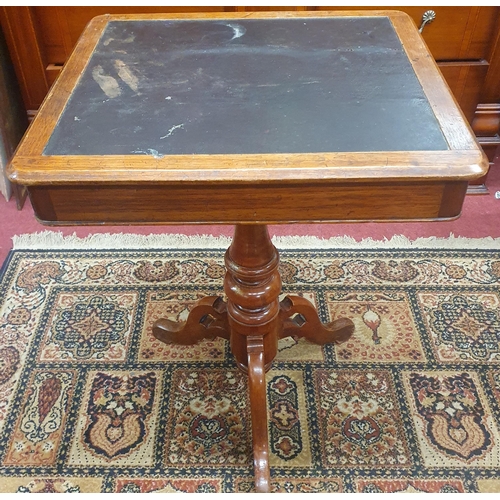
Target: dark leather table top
171, 87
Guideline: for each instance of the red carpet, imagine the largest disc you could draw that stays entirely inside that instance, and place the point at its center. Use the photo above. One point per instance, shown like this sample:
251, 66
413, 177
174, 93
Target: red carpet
480, 218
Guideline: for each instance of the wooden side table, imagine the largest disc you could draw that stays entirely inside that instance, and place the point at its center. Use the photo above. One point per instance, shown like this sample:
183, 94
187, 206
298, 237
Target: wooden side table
249, 119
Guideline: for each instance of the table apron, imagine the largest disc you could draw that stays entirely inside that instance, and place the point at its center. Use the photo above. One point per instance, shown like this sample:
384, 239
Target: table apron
246, 203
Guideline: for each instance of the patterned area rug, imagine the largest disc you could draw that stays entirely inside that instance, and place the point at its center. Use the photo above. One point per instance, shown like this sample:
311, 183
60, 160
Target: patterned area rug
91, 402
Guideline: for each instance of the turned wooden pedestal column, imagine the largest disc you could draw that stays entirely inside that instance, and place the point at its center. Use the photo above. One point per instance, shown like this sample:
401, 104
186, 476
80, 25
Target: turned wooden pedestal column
253, 320
252, 286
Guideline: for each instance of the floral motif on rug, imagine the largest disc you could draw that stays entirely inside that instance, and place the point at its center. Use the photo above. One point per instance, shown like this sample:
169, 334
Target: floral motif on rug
288, 430
89, 326
326, 485
117, 419
463, 326
166, 485
90, 401
359, 419
208, 421
415, 486
39, 428
453, 421
385, 331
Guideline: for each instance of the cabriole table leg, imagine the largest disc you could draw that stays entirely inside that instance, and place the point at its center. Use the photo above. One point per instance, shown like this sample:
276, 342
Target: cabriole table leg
257, 390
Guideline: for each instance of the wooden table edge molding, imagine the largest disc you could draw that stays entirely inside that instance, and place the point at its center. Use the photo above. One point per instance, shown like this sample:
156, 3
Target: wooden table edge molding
335, 167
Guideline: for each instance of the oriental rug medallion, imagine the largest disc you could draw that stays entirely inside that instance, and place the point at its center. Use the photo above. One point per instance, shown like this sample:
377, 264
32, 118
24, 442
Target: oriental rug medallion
90, 401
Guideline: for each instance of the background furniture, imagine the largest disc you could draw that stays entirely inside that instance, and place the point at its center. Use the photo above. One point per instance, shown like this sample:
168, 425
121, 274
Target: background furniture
13, 121
465, 41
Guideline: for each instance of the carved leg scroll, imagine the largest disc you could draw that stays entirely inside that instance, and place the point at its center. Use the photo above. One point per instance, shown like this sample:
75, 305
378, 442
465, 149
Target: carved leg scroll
300, 318
207, 320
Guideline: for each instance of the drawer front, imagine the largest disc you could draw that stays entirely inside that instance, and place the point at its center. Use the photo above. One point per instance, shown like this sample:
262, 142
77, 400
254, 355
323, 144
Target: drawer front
455, 33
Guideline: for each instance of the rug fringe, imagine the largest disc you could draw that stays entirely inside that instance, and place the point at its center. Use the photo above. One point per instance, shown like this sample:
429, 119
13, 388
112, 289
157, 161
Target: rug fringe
50, 240
397, 241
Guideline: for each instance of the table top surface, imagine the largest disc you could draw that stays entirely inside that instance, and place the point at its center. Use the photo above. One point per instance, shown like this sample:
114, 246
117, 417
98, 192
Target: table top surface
247, 86
269, 96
